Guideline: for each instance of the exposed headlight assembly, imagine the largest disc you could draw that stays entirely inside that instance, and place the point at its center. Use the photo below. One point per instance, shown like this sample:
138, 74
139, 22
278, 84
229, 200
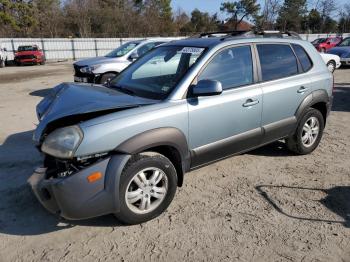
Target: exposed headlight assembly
63, 142
89, 69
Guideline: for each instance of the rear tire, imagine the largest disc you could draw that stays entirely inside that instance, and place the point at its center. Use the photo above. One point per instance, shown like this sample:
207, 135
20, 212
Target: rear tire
109, 76
308, 133
2, 63
147, 186
331, 66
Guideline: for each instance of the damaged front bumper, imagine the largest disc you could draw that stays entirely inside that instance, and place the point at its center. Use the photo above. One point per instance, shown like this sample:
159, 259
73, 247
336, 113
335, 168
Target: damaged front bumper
74, 197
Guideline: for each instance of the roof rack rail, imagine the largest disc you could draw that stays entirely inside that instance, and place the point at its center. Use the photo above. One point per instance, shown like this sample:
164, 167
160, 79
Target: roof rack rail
250, 33
230, 33
281, 34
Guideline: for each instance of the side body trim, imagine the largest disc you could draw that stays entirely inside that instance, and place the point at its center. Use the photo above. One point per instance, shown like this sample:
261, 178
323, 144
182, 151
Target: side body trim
225, 147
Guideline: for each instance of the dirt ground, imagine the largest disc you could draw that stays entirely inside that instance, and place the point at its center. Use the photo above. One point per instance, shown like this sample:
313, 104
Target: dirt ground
265, 205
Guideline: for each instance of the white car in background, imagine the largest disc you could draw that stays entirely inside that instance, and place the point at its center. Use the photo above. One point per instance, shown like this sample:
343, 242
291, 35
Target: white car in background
332, 61
101, 69
3, 56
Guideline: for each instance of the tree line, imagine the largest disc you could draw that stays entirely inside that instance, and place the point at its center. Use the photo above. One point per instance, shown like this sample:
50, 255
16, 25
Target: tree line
131, 18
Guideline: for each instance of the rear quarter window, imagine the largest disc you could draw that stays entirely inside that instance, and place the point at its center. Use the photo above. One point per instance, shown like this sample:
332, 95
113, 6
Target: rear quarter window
277, 61
303, 57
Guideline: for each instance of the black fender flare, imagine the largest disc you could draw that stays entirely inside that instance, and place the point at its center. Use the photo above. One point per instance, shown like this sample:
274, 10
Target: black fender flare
164, 136
314, 97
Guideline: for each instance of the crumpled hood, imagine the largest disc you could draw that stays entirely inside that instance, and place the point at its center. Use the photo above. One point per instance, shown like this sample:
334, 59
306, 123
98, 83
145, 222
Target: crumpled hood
341, 51
68, 99
97, 60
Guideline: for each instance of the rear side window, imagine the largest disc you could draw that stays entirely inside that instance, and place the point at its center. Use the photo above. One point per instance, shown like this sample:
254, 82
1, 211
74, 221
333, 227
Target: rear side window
303, 57
277, 61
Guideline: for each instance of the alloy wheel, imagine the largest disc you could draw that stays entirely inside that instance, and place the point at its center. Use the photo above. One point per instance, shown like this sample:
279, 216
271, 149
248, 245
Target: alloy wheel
146, 190
310, 131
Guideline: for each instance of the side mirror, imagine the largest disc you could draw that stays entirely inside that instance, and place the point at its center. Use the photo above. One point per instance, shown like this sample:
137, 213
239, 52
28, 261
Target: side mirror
207, 88
134, 56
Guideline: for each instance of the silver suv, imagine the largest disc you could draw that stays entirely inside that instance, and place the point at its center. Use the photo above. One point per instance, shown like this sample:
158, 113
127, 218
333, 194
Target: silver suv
124, 148
103, 68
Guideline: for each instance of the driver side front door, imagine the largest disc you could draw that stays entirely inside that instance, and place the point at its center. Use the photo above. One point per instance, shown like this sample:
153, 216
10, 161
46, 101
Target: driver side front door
228, 123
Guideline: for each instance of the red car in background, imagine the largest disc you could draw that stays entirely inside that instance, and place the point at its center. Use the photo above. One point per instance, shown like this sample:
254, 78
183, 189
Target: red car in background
29, 54
323, 44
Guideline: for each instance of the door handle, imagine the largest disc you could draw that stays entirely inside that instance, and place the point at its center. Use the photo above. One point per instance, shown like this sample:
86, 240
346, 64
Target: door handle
302, 89
250, 102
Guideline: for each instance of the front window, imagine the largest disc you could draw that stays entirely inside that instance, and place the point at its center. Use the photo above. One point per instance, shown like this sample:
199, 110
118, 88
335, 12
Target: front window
122, 50
233, 67
157, 73
346, 42
27, 48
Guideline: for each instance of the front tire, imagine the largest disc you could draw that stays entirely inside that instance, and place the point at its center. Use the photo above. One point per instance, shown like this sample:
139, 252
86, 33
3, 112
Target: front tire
106, 77
148, 184
308, 133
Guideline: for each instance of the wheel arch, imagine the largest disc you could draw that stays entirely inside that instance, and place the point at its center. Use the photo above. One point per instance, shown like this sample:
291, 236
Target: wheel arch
168, 141
105, 73
318, 99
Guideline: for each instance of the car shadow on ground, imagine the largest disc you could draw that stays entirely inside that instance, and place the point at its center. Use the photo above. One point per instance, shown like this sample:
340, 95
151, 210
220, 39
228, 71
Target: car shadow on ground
41, 92
341, 100
20, 211
275, 149
336, 201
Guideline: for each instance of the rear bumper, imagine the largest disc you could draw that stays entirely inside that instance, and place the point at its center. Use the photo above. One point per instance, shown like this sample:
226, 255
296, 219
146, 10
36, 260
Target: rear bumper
74, 197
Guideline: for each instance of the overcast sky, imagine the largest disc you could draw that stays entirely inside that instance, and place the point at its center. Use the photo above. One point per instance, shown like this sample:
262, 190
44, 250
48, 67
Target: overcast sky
213, 6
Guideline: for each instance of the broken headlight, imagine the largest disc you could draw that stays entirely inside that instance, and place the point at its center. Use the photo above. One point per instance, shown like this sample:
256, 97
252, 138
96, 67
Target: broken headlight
63, 142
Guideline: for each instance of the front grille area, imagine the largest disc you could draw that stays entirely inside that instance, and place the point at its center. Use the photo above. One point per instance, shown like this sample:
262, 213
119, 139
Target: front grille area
90, 77
20, 57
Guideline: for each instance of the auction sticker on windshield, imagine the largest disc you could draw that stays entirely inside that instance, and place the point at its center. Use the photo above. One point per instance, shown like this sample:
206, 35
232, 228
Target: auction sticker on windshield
191, 50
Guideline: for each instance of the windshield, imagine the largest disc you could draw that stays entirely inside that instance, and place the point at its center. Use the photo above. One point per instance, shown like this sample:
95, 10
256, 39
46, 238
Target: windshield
27, 48
157, 73
319, 41
346, 42
122, 50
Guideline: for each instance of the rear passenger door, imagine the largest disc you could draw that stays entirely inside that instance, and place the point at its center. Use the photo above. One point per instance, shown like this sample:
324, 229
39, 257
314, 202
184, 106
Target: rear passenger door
228, 123
284, 85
